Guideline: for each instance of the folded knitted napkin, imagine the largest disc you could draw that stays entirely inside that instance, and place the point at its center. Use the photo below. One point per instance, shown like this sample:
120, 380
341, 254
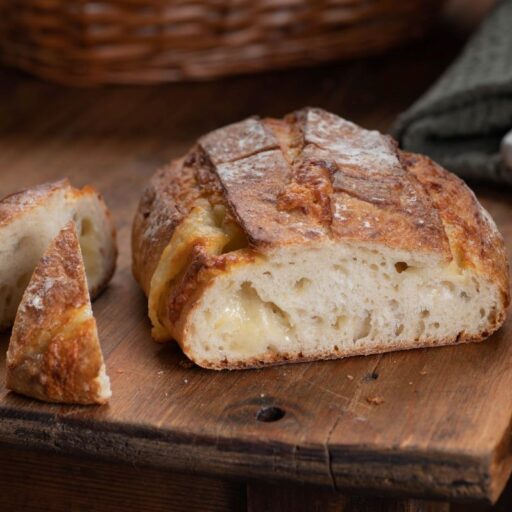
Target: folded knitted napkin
461, 120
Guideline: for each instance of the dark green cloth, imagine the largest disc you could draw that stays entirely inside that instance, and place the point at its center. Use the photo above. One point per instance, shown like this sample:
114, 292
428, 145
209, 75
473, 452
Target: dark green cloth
462, 118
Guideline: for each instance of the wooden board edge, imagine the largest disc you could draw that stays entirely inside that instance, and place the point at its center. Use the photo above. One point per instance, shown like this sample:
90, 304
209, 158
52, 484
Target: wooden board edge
36, 480
500, 465
411, 473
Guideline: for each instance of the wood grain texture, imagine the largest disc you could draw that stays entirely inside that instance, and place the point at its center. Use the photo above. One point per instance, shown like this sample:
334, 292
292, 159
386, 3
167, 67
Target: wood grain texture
35, 481
272, 498
443, 426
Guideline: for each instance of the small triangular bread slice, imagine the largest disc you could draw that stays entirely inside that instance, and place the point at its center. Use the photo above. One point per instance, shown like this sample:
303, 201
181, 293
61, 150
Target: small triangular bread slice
54, 353
32, 218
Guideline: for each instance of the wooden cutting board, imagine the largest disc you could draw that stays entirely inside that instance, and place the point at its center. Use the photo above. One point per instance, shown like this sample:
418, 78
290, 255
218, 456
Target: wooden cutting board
433, 422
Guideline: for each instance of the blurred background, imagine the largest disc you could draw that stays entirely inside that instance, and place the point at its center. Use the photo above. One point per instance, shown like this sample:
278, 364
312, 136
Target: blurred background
134, 68
146, 41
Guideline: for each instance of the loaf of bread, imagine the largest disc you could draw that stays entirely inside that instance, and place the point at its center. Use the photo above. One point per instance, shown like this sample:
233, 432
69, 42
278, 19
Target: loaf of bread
30, 220
312, 238
54, 353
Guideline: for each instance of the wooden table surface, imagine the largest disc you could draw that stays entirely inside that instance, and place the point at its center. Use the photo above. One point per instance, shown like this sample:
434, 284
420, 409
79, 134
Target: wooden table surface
443, 428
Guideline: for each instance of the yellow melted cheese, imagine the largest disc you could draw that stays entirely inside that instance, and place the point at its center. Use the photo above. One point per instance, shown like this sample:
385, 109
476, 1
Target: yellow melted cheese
199, 227
249, 325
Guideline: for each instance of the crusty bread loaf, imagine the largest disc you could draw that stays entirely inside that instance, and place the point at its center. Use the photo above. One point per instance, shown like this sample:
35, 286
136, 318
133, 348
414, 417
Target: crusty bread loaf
54, 353
312, 238
30, 220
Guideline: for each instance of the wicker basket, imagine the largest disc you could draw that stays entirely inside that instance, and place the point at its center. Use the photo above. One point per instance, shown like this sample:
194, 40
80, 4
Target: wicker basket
133, 41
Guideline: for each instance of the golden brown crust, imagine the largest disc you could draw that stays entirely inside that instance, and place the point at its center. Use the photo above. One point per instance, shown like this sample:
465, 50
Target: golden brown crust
165, 202
17, 204
54, 353
293, 182
238, 141
311, 177
473, 236
253, 187
373, 199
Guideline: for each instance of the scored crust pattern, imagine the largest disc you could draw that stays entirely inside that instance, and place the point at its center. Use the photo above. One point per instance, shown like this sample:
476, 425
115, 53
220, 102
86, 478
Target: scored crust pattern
314, 176
321, 176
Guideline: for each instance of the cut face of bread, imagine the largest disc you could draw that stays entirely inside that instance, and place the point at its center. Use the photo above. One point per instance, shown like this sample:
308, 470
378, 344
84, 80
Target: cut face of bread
332, 301
31, 219
54, 353
312, 238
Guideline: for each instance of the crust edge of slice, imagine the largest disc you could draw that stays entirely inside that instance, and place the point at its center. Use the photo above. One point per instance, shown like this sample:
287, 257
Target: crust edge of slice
54, 353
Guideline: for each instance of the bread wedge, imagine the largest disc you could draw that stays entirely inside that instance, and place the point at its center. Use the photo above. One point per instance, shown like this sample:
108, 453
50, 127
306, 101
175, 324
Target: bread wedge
312, 238
30, 220
54, 352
